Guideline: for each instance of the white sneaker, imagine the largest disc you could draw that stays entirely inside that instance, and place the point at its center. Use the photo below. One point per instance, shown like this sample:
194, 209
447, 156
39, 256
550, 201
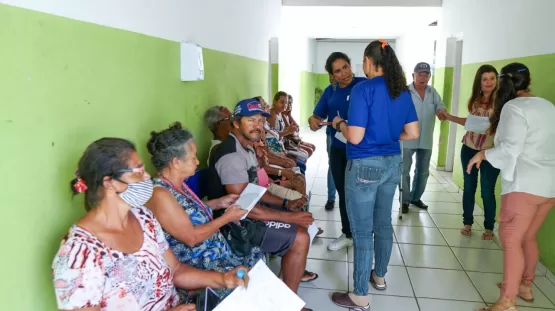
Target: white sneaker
340, 243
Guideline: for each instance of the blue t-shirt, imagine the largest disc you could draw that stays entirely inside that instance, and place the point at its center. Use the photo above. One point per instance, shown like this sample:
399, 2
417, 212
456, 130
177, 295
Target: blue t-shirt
382, 116
333, 101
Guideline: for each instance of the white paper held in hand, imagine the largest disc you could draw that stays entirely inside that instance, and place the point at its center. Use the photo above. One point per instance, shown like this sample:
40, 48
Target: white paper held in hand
340, 136
264, 292
477, 124
249, 197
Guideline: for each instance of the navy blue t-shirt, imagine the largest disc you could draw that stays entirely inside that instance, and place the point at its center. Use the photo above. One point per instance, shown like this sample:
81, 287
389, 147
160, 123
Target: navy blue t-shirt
333, 101
382, 116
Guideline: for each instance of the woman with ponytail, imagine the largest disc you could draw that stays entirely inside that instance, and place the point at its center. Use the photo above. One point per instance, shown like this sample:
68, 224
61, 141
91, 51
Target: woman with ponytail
480, 105
381, 113
523, 125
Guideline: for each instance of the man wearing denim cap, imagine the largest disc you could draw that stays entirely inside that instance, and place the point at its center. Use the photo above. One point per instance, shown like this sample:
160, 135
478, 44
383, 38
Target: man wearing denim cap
428, 105
233, 166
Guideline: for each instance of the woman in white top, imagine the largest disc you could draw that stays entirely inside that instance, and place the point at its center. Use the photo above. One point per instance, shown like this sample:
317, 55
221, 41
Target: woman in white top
522, 125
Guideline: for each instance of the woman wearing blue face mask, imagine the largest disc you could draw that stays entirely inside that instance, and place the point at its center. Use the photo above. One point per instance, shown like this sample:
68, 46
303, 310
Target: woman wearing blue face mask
116, 256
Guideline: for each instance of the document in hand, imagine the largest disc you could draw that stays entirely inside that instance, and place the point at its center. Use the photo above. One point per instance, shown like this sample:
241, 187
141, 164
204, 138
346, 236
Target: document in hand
340, 137
476, 124
265, 292
249, 197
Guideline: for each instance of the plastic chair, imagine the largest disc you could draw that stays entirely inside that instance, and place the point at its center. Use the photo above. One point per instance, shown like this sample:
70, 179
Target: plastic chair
197, 182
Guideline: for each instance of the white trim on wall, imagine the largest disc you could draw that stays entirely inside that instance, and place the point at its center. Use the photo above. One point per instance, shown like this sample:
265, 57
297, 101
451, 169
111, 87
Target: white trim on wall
241, 27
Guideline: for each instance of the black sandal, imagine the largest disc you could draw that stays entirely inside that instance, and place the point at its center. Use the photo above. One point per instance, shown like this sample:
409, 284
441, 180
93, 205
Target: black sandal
308, 273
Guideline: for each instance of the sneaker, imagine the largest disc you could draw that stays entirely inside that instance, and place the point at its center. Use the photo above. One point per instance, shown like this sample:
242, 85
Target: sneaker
419, 204
340, 243
405, 208
330, 205
343, 300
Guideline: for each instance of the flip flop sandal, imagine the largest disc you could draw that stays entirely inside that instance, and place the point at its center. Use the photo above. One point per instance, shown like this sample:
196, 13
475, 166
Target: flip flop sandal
488, 236
499, 285
466, 232
308, 273
320, 231
376, 285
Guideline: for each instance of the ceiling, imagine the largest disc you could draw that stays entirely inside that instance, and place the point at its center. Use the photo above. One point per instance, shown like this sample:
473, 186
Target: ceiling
394, 3
356, 22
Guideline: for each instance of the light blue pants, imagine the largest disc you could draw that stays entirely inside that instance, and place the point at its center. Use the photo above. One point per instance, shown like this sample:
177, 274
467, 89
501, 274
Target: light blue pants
370, 186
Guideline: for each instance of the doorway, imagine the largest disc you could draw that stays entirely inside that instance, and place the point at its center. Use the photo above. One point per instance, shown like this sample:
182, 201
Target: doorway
454, 46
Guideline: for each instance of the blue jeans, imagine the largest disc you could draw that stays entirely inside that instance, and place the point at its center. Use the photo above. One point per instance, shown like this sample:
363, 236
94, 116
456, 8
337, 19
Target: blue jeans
421, 174
331, 184
302, 166
370, 186
488, 178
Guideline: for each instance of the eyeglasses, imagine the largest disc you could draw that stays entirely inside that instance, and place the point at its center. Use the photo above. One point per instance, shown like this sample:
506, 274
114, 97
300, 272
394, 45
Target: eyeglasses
137, 170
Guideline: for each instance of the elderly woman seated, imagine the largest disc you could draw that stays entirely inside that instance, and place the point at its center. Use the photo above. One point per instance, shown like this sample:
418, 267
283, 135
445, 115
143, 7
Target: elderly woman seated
189, 225
116, 257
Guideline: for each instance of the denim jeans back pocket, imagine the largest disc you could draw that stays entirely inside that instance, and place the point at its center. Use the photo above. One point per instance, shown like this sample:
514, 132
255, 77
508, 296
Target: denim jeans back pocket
368, 176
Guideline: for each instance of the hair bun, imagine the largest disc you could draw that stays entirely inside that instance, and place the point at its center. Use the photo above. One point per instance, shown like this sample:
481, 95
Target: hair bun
176, 126
151, 145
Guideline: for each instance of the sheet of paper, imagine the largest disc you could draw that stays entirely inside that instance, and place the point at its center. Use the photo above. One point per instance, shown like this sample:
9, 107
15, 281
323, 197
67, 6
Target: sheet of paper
265, 291
340, 137
477, 124
249, 197
312, 230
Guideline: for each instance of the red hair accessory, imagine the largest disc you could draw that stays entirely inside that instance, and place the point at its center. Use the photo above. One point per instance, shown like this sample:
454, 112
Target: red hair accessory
384, 43
80, 185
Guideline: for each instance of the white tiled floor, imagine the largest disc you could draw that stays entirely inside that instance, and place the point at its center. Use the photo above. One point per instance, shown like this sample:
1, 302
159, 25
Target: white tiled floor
432, 268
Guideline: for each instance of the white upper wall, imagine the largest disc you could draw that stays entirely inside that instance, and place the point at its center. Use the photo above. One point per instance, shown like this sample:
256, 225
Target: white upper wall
353, 49
242, 27
499, 29
414, 47
433, 3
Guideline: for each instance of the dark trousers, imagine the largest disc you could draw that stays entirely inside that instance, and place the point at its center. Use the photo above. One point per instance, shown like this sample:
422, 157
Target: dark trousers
488, 178
338, 164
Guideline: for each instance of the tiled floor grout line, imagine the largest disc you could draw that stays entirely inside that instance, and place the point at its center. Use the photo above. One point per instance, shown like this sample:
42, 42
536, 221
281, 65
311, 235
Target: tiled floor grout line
466, 272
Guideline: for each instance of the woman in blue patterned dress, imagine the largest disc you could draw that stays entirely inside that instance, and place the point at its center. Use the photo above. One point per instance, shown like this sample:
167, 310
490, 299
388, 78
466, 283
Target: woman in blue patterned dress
190, 228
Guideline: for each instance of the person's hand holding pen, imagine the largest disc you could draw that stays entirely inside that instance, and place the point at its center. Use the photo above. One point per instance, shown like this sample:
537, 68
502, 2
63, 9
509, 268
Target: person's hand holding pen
336, 120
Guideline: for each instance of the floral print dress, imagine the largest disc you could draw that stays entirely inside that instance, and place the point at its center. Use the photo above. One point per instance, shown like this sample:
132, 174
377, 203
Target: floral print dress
212, 254
87, 273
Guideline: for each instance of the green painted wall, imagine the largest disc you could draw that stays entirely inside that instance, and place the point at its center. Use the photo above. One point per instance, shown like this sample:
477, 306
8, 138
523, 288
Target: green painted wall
322, 80
65, 83
306, 100
542, 85
275, 81
443, 83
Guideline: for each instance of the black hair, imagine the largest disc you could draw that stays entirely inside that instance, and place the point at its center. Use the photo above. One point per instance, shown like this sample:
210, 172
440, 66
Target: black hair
279, 94
382, 55
333, 57
104, 157
168, 144
514, 77
477, 87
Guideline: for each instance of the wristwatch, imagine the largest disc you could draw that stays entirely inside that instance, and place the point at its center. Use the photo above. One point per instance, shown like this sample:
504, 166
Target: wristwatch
338, 125
284, 203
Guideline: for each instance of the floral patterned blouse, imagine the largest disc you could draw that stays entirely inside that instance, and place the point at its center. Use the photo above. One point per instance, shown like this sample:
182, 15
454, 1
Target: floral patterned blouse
213, 253
87, 273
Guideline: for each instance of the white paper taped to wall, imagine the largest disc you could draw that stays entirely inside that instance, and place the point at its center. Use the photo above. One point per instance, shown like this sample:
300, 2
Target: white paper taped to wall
477, 124
265, 292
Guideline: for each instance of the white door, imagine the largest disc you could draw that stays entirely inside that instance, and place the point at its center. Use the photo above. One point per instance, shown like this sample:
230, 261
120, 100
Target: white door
457, 50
